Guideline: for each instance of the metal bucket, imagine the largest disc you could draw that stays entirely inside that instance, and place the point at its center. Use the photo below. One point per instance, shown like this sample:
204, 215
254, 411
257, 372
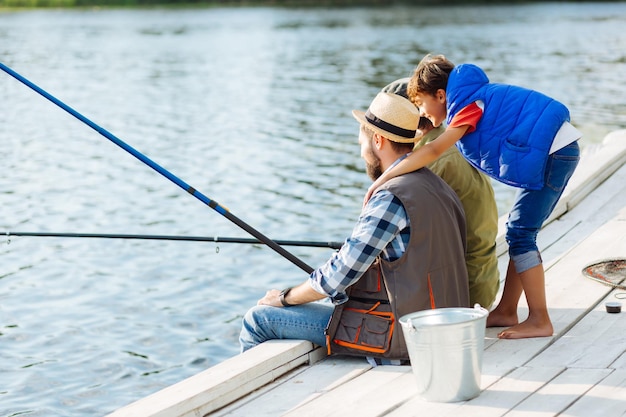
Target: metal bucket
446, 351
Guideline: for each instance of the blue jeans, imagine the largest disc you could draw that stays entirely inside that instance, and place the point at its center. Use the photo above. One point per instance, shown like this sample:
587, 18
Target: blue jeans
306, 322
533, 207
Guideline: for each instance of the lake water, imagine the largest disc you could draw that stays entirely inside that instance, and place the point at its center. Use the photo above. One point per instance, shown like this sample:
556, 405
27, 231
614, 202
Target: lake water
251, 106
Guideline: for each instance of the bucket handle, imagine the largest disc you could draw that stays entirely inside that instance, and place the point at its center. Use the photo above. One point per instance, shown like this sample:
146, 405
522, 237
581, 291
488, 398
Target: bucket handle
477, 307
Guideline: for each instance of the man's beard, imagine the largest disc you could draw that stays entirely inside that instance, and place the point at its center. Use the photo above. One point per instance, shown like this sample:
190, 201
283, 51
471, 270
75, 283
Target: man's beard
373, 170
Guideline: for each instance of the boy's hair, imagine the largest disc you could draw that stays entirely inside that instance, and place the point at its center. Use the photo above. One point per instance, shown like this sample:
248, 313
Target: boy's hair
430, 75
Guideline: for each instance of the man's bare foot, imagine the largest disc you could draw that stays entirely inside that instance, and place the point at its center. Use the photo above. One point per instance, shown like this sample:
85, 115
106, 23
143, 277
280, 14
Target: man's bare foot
498, 319
527, 329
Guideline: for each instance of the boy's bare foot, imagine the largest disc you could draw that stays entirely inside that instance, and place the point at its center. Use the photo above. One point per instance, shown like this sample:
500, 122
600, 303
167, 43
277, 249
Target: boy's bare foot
527, 329
497, 319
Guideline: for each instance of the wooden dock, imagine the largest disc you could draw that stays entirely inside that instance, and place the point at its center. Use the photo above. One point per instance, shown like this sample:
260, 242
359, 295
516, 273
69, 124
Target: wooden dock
579, 371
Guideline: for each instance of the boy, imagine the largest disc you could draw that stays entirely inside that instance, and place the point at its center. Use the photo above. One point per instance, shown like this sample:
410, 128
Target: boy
517, 136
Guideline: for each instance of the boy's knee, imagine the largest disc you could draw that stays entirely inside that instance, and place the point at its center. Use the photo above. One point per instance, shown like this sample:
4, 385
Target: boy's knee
521, 241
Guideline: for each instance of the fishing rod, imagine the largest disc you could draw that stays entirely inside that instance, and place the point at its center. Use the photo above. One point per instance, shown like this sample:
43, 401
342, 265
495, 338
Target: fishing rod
167, 174
215, 239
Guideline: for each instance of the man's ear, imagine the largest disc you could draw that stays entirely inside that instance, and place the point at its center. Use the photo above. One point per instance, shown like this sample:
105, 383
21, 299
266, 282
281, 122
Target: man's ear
378, 141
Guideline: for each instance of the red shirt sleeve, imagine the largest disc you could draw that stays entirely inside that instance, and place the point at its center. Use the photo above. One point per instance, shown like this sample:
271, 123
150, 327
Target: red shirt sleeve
467, 116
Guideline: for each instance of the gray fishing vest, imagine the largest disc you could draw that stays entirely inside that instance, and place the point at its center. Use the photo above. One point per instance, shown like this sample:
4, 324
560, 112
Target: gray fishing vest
430, 274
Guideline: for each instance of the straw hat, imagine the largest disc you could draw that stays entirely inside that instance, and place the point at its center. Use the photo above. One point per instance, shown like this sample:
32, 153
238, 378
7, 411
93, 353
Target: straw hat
391, 116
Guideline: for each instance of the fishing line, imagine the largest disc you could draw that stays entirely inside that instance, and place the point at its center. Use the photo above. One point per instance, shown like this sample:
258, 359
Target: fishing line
167, 174
216, 239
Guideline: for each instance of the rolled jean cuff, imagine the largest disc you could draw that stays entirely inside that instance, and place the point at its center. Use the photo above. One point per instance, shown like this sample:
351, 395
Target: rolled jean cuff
525, 261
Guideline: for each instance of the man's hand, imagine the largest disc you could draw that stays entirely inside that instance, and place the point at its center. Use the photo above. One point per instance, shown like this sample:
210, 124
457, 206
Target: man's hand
271, 298
300, 294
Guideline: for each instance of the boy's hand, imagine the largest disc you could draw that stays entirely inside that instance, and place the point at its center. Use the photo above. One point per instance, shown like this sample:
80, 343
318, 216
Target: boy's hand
370, 190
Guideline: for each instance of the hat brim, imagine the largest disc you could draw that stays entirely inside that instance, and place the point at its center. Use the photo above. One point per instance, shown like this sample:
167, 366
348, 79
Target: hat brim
360, 117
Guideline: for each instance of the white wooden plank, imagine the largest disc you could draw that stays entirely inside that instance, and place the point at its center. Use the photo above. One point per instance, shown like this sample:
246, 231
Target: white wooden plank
367, 395
607, 398
597, 341
620, 363
418, 407
559, 393
505, 355
509, 391
491, 336
599, 163
223, 383
255, 397
496, 400
297, 388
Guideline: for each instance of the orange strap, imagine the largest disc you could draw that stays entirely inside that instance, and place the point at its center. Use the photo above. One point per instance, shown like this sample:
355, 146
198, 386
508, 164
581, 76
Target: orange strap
430, 293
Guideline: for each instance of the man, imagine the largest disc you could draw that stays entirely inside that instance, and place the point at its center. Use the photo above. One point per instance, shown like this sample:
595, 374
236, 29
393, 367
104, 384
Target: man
481, 213
405, 254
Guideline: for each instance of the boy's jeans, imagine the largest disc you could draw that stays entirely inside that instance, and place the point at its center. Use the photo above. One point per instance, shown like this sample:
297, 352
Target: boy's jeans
533, 207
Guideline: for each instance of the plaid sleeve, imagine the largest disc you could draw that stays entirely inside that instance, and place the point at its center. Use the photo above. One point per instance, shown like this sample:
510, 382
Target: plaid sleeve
382, 229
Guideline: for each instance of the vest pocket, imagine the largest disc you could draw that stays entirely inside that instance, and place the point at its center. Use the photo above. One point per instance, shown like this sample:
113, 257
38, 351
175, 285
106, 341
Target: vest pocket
511, 168
515, 147
365, 330
363, 325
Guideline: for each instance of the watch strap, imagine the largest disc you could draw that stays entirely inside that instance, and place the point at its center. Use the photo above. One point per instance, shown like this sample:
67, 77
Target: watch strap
282, 296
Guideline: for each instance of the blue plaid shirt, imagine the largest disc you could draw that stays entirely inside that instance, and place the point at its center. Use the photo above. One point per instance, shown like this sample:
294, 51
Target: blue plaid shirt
382, 229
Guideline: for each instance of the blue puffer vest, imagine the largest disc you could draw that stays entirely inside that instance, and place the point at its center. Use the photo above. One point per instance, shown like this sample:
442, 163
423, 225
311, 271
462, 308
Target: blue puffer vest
512, 140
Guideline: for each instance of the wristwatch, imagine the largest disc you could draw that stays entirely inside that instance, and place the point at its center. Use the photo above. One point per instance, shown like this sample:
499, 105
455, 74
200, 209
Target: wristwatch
282, 296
